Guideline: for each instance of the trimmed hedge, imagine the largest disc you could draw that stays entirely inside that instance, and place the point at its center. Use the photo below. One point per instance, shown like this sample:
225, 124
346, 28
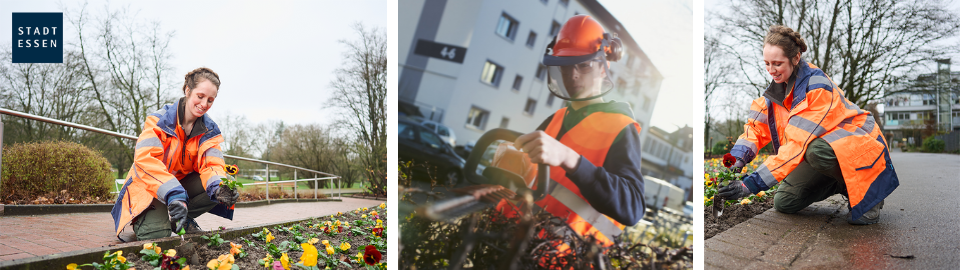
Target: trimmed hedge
56, 170
933, 145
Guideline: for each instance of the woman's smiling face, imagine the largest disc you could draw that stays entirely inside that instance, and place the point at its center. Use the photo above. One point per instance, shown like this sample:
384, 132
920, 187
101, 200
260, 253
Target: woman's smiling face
778, 65
201, 98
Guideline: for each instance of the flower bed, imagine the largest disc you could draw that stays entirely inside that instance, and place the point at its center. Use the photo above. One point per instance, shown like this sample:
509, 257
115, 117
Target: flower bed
354, 239
717, 175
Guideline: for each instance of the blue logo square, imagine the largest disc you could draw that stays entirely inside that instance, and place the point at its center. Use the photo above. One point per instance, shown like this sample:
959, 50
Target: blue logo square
37, 37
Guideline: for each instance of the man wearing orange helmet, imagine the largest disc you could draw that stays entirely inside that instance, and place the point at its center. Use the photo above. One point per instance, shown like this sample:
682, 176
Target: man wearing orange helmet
592, 146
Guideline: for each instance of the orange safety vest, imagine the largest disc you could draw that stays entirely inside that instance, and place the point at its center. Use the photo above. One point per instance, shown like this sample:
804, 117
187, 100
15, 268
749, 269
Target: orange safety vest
591, 138
162, 157
818, 109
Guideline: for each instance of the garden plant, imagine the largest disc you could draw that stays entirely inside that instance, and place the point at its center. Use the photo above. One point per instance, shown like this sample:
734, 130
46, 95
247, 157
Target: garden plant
717, 174
346, 240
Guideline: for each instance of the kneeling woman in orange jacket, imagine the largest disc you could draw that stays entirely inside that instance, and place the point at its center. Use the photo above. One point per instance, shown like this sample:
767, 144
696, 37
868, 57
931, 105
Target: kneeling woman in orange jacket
823, 144
177, 166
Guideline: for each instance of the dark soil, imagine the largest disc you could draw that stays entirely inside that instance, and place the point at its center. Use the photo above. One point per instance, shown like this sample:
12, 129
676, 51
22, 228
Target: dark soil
732, 215
204, 253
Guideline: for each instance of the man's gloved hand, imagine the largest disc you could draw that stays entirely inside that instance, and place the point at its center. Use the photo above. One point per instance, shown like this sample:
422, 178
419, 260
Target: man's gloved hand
735, 190
178, 213
227, 196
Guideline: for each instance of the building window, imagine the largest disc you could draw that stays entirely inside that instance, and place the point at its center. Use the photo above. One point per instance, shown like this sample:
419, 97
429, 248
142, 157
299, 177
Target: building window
564, 2
491, 73
542, 72
532, 39
504, 122
507, 27
530, 107
477, 118
517, 81
637, 87
646, 104
550, 98
554, 28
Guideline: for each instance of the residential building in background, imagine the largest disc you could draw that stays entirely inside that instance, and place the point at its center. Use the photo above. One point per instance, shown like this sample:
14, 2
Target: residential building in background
475, 65
925, 105
668, 156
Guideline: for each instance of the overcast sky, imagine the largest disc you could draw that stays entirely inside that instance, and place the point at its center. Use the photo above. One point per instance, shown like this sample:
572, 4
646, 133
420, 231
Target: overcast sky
663, 29
275, 58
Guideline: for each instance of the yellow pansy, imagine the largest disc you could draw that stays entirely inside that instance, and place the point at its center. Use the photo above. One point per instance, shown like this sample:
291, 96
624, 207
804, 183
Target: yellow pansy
345, 246
270, 237
72, 266
329, 250
285, 261
383, 206
313, 241
309, 257
326, 242
171, 252
364, 216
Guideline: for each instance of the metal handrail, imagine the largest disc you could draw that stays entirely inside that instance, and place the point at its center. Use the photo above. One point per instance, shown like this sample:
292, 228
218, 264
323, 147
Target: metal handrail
121, 135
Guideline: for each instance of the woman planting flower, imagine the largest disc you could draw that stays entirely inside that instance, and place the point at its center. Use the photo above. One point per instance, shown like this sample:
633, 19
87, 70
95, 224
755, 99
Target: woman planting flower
177, 166
823, 144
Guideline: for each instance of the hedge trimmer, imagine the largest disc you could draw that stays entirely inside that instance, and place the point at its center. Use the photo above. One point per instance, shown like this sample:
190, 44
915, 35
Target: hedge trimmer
492, 186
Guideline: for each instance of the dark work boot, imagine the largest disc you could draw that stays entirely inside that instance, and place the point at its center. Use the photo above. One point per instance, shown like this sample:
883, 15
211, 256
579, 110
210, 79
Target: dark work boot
870, 217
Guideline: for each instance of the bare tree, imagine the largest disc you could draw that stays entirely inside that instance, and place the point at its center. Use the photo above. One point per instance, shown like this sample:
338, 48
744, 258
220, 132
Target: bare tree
360, 93
125, 69
49, 90
865, 46
716, 73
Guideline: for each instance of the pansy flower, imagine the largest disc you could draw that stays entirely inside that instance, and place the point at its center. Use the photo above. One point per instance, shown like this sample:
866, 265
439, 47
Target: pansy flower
729, 160
309, 257
371, 255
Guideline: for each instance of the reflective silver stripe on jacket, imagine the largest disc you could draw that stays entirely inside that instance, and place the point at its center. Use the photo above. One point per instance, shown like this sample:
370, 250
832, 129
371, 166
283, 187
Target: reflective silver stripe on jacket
585, 211
165, 188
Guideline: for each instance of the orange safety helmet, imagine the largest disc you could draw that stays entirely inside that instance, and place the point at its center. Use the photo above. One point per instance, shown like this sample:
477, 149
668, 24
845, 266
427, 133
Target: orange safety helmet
582, 35
581, 39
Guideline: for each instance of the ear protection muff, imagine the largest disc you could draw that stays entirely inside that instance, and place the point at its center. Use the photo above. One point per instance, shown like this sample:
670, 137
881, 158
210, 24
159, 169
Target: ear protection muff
615, 45
612, 44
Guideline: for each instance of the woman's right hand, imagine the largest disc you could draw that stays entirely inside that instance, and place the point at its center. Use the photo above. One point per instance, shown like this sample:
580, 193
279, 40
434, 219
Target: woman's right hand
178, 213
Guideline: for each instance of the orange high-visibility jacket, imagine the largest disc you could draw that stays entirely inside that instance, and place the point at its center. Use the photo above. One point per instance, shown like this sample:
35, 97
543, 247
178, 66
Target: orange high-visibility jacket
162, 157
818, 109
591, 138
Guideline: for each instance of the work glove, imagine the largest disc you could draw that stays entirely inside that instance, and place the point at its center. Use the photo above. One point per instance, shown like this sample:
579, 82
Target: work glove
178, 213
738, 166
227, 196
735, 190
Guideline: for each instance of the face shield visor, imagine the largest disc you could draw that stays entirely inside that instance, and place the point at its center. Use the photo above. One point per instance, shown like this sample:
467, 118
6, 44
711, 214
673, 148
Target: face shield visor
578, 78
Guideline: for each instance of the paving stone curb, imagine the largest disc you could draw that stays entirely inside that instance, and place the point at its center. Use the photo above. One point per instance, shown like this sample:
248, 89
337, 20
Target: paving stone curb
60, 260
770, 240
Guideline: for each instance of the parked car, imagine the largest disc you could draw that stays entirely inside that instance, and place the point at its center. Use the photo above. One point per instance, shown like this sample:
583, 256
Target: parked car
445, 133
430, 155
464, 150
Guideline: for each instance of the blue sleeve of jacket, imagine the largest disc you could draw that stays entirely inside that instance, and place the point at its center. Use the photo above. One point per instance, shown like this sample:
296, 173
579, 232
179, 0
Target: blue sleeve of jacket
616, 189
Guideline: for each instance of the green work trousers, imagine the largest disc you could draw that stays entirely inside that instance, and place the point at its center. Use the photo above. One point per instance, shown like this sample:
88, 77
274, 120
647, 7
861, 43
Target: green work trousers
816, 178
155, 222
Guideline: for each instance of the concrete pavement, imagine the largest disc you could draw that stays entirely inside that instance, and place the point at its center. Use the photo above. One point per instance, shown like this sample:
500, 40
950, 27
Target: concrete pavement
31, 236
920, 219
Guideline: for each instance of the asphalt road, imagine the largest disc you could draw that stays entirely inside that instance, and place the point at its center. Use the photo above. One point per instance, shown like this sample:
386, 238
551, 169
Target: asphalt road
921, 218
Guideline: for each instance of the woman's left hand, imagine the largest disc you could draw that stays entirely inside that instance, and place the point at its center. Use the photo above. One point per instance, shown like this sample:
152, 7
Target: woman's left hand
544, 149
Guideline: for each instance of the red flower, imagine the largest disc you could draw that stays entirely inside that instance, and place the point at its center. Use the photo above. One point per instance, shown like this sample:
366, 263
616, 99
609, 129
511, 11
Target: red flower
371, 255
378, 232
729, 160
